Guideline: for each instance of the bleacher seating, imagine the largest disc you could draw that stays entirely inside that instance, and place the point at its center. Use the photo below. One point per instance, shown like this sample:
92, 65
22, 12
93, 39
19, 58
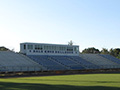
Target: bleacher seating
11, 61
47, 62
65, 60
84, 63
99, 60
113, 59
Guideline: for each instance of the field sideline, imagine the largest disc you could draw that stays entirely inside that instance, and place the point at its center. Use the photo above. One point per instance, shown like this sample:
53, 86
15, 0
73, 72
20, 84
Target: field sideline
63, 82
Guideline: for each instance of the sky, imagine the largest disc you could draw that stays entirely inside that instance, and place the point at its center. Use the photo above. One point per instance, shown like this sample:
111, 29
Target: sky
88, 23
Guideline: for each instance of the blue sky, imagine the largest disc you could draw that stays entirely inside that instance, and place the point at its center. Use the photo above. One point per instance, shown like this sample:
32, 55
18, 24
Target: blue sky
88, 23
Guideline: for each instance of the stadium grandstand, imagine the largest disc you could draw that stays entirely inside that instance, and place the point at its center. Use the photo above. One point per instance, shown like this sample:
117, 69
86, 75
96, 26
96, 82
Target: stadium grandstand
40, 57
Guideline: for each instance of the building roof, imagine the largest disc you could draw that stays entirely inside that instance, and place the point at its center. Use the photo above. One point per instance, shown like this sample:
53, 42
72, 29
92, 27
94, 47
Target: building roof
48, 44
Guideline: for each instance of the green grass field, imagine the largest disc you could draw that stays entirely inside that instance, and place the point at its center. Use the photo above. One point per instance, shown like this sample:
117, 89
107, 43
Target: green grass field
63, 82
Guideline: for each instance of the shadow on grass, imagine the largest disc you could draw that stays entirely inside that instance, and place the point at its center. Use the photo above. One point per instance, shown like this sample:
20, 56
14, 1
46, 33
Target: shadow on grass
74, 81
26, 86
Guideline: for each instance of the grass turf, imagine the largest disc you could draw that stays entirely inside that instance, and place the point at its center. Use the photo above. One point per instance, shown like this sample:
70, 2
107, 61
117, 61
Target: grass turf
63, 82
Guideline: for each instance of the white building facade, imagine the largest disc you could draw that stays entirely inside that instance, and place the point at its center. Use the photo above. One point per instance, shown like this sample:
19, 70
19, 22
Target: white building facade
48, 49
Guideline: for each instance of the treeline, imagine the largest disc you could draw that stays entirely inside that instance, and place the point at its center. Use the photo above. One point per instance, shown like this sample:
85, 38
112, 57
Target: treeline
114, 52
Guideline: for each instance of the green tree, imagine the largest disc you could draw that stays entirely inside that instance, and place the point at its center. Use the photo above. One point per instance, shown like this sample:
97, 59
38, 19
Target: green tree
104, 51
118, 56
111, 51
70, 43
116, 52
91, 50
3, 49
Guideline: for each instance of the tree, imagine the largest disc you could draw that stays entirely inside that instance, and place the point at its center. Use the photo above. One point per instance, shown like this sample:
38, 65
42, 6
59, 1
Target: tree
116, 52
111, 52
91, 50
104, 51
118, 56
70, 43
4, 49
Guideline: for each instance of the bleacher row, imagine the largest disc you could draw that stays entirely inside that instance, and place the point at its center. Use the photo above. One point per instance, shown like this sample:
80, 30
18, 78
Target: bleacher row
11, 62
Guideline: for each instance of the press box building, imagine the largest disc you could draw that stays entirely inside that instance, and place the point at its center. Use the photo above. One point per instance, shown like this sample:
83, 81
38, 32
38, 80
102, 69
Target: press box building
48, 49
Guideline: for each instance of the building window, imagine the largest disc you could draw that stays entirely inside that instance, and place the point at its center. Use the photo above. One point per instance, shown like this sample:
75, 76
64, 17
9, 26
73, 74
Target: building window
76, 49
30, 46
38, 47
24, 46
36, 51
